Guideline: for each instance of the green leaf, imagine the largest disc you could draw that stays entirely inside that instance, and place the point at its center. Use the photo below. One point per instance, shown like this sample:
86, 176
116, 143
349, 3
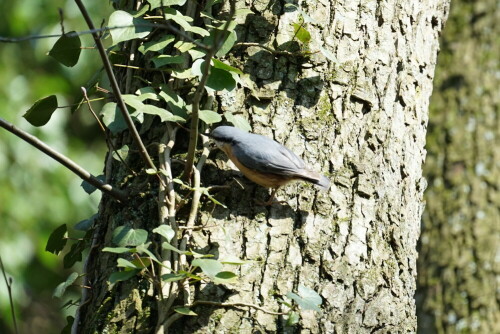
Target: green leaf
136, 27
234, 260
226, 67
165, 231
165, 245
238, 121
174, 102
69, 325
172, 277
61, 288
293, 318
142, 262
301, 33
127, 236
227, 45
57, 240
183, 21
184, 311
162, 60
165, 115
158, 45
209, 266
125, 264
225, 277
196, 54
88, 188
308, 299
147, 93
158, 3
220, 79
39, 114
86, 224
143, 249
183, 46
117, 250
75, 253
67, 50
209, 116
123, 152
120, 276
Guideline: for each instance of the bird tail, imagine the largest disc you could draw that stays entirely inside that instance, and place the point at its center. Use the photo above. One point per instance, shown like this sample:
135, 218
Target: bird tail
315, 178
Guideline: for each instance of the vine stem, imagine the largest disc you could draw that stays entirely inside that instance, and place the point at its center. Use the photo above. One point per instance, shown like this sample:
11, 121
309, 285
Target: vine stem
65, 161
116, 89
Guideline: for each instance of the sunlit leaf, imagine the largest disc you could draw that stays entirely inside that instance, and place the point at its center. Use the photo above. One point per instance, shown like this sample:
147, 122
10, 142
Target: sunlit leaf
167, 246
123, 152
209, 116
184, 311
220, 79
307, 299
301, 33
39, 114
228, 44
157, 45
67, 50
184, 21
116, 250
225, 277
209, 266
238, 121
293, 318
162, 60
165, 231
127, 236
125, 264
61, 288
226, 67
135, 27
57, 240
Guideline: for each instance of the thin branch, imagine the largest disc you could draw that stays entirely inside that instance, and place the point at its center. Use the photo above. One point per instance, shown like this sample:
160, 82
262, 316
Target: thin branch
65, 161
8, 282
277, 52
193, 135
166, 26
116, 88
219, 304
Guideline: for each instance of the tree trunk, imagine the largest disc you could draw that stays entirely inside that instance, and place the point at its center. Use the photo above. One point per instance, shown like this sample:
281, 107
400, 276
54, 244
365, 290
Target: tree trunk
356, 112
458, 266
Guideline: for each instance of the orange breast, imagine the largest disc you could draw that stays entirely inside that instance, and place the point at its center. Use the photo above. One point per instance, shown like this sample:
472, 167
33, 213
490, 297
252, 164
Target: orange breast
268, 180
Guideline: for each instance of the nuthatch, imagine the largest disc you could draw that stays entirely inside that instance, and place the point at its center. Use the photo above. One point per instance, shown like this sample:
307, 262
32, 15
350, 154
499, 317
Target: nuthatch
263, 160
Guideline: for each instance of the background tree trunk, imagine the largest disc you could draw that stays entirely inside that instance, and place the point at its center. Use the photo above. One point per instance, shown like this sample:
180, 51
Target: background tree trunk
458, 265
360, 117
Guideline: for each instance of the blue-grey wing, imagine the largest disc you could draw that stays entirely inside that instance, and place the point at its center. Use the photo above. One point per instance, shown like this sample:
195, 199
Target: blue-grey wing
266, 155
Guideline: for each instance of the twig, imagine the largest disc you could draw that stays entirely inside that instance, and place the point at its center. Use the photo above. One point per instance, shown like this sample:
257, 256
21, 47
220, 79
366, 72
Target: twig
219, 304
116, 88
8, 282
65, 161
193, 135
276, 52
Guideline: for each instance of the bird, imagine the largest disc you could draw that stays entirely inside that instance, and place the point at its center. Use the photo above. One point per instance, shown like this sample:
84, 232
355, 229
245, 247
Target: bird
263, 160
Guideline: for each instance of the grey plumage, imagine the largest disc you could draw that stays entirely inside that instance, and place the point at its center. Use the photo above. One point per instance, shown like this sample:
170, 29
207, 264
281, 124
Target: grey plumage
264, 155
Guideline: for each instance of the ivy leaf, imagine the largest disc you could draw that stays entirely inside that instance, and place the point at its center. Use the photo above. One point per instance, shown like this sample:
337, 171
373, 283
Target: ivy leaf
113, 118
165, 245
174, 102
226, 67
225, 277
301, 33
165, 231
127, 236
209, 266
163, 60
220, 79
89, 188
238, 121
184, 311
136, 27
84, 225
307, 299
121, 262
293, 318
39, 114
57, 240
156, 46
158, 3
117, 250
67, 50
183, 21
172, 277
123, 152
209, 116
75, 253
120, 276
61, 288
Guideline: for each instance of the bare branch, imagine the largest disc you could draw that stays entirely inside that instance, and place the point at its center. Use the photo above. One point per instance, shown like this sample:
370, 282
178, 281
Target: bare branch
65, 161
116, 89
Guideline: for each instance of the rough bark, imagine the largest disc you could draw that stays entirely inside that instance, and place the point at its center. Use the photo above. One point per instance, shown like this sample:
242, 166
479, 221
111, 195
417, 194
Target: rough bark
458, 265
360, 119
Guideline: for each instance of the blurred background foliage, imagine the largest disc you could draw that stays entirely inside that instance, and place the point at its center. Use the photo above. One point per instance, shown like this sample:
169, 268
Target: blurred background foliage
36, 193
